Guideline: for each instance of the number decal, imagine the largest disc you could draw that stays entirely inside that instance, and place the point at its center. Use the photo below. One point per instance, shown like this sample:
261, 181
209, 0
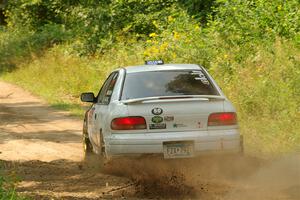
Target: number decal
200, 77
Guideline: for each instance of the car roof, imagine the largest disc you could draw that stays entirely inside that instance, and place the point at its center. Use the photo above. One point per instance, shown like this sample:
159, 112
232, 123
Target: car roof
164, 67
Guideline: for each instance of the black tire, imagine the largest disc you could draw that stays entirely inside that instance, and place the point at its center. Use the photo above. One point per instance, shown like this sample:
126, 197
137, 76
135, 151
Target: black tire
91, 159
87, 145
102, 155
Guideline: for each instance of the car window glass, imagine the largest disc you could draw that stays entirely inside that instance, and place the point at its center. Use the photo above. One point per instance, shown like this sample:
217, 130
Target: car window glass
107, 89
103, 89
167, 83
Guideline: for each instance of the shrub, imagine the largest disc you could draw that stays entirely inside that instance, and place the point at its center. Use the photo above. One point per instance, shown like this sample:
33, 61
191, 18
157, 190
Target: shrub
255, 21
16, 46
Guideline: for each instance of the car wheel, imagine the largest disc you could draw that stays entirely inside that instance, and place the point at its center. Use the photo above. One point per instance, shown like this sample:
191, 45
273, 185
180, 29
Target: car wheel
92, 160
88, 153
102, 151
87, 146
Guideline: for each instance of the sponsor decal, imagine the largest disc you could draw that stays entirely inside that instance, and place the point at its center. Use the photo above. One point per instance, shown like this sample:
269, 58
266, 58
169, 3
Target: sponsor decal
157, 111
157, 119
169, 118
158, 126
175, 125
200, 77
154, 62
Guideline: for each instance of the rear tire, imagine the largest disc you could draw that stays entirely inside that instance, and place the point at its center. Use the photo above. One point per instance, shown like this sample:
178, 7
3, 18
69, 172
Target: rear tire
91, 160
87, 146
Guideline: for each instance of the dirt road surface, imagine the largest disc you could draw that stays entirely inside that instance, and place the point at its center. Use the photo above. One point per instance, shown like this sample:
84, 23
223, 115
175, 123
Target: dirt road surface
42, 147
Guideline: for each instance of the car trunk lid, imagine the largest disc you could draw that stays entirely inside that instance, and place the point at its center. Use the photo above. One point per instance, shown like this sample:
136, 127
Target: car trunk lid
175, 114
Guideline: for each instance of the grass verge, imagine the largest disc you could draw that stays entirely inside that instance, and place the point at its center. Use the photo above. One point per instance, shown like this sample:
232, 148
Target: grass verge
8, 186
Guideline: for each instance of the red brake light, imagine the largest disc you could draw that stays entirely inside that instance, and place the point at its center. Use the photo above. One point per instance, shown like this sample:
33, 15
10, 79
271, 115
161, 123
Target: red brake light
128, 123
222, 119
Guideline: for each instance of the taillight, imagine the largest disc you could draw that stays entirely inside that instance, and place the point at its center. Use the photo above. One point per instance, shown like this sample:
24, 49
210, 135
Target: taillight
222, 119
128, 123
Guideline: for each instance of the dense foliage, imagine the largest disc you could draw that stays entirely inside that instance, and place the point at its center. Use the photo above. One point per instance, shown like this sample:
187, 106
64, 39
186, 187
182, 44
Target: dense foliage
252, 48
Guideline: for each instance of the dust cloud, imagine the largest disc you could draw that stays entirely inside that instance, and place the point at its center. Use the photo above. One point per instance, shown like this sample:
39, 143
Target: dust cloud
212, 177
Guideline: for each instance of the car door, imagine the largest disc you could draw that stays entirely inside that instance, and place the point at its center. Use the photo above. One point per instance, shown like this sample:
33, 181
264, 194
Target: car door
101, 107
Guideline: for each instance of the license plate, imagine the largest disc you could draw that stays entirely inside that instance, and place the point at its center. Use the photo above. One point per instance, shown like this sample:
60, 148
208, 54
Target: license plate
178, 149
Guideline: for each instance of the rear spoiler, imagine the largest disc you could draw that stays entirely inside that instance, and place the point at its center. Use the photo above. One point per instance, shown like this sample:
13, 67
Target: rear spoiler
174, 98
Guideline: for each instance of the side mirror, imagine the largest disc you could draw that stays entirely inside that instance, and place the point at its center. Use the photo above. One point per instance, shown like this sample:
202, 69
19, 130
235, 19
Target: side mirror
87, 97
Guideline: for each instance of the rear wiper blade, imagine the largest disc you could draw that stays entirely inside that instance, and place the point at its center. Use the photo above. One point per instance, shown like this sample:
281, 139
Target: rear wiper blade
139, 100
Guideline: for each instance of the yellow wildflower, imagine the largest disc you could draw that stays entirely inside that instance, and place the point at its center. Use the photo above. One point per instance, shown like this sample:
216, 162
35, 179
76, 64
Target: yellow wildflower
170, 19
164, 46
146, 53
154, 50
153, 35
279, 8
174, 55
154, 22
268, 29
197, 28
176, 35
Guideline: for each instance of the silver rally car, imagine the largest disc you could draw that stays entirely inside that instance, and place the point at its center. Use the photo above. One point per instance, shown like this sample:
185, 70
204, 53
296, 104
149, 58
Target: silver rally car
173, 110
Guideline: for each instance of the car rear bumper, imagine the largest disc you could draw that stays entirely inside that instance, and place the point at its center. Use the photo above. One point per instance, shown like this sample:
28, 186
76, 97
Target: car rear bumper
152, 143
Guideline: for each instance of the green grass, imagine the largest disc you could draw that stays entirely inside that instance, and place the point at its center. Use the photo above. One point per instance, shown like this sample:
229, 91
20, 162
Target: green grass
8, 186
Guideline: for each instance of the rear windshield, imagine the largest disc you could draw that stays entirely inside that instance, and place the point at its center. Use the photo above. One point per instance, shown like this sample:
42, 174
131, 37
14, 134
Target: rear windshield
167, 83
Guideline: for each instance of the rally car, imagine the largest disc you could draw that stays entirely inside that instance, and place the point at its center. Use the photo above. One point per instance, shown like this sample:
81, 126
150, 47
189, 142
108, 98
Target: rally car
169, 110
